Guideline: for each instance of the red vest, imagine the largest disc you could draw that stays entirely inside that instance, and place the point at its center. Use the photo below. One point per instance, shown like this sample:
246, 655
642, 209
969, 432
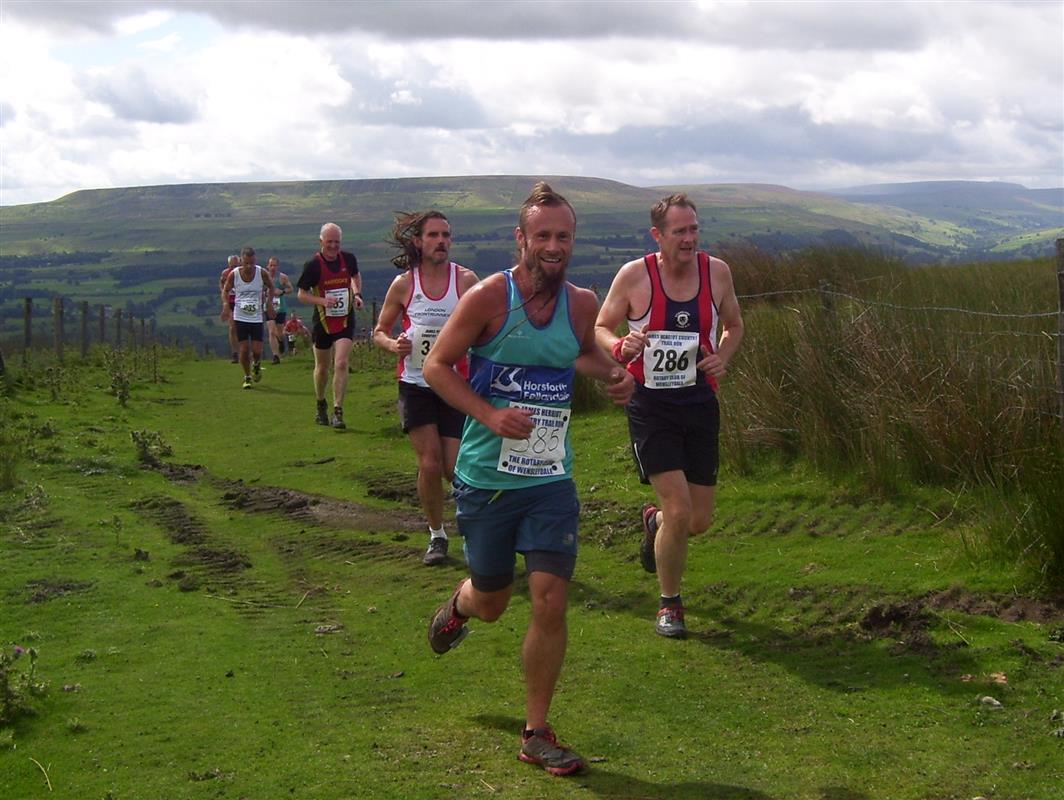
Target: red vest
331, 281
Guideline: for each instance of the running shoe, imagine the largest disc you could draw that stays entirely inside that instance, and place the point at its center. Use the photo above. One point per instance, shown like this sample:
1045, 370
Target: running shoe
541, 747
338, 419
247, 381
670, 623
322, 417
437, 552
256, 370
650, 531
276, 359
447, 628
235, 359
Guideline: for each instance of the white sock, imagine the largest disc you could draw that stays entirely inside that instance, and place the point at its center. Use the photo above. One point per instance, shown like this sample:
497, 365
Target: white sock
437, 534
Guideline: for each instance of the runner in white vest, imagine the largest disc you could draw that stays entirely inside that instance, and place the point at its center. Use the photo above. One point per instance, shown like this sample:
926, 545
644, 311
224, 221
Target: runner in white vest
250, 285
424, 296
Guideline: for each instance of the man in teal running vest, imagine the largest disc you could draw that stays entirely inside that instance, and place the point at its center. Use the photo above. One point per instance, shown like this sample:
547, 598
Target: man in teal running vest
527, 331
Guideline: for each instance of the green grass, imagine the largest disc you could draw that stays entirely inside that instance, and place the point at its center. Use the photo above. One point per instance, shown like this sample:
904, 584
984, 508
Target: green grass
209, 679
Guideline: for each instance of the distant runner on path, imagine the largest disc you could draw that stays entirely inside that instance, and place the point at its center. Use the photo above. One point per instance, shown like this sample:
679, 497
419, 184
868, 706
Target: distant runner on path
424, 295
513, 480
233, 263
332, 284
294, 329
673, 301
282, 287
251, 285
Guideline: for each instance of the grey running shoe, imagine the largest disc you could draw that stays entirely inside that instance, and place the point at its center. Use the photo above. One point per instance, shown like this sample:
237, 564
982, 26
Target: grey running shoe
276, 359
437, 552
670, 623
322, 415
256, 370
338, 419
235, 359
447, 628
542, 748
650, 531
247, 381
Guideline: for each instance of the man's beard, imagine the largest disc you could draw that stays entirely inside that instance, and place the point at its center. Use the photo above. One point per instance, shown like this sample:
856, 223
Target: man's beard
544, 282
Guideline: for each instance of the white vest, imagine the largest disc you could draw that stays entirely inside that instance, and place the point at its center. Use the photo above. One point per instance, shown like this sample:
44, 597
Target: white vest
249, 296
423, 318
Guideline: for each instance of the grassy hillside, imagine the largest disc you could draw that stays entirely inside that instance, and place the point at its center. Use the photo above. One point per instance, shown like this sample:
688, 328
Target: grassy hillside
119, 247
236, 608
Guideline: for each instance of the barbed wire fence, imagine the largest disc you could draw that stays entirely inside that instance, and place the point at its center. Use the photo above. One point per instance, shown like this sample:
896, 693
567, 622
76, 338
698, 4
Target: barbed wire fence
132, 333
828, 295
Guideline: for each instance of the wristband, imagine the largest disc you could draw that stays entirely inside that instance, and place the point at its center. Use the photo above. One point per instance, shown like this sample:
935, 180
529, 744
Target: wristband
617, 351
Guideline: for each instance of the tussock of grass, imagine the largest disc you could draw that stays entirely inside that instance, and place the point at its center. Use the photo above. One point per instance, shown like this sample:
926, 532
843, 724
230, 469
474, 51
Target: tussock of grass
886, 380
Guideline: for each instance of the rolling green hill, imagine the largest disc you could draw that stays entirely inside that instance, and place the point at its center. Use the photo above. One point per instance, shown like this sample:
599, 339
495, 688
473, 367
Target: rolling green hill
156, 251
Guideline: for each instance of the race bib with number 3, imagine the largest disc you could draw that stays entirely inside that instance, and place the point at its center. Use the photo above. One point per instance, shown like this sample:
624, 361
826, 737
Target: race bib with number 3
422, 339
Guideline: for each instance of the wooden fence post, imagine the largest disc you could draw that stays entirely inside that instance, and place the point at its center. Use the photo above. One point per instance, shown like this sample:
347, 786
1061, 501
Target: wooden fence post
103, 323
27, 325
118, 329
84, 328
827, 301
1060, 329
57, 326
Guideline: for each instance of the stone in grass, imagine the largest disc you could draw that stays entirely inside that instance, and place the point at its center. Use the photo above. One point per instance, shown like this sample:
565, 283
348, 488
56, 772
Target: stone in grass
990, 704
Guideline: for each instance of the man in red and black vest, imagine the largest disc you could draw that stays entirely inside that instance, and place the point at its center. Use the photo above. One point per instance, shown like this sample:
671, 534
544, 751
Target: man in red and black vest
331, 282
683, 328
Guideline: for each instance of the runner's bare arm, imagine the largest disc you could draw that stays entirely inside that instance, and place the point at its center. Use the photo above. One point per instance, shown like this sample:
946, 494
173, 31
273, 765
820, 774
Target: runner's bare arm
390, 311
267, 282
731, 320
616, 308
593, 360
356, 289
227, 286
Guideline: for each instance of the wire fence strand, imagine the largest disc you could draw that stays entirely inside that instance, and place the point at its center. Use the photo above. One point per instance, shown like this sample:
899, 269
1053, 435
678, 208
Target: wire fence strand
897, 307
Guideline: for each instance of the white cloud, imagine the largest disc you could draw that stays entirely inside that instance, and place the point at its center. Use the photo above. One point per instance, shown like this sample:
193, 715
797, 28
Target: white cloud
804, 94
138, 23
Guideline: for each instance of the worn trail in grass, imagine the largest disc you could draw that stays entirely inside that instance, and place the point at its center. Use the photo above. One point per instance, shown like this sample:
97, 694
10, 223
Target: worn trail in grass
246, 618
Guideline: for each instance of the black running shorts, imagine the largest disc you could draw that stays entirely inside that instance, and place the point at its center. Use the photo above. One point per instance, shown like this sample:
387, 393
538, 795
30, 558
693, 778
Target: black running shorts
667, 437
419, 405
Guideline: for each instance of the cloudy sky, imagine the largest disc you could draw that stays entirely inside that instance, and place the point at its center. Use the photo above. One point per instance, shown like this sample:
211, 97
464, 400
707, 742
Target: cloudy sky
810, 95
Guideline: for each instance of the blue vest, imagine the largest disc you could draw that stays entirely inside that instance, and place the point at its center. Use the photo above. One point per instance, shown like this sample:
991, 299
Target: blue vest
522, 363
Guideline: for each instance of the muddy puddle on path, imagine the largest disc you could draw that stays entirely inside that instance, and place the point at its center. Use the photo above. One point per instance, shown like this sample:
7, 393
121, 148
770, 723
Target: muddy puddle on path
318, 509
911, 619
